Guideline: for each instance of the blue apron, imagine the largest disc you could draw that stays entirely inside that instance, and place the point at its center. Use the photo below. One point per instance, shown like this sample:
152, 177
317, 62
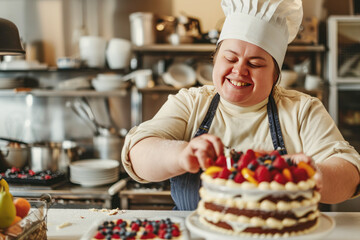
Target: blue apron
185, 187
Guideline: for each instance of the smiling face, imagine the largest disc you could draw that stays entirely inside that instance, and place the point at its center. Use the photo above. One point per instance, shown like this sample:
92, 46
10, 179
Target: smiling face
243, 73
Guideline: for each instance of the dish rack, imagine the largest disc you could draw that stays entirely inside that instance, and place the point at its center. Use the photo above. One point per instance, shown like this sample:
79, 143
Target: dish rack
33, 226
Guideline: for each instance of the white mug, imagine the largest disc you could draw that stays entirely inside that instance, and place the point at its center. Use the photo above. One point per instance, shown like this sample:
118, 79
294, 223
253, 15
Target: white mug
118, 53
92, 51
312, 82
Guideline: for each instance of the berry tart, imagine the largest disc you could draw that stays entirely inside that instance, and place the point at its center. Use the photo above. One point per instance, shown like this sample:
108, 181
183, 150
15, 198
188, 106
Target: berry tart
259, 195
138, 229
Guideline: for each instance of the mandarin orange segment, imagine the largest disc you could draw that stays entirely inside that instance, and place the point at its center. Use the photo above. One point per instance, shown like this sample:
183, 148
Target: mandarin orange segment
310, 170
212, 170
22, 207
249, 175
287, 174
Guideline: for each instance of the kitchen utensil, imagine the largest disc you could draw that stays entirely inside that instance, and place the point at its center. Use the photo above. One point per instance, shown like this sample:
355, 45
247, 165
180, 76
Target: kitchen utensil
68, 62
15, 156
180, 75
74, 83
92, 51
108, 147
13, 140
85, 106
204, 73
118, 53
80, 113
116, 187
312, 82
142, 28
142, 78
54, 156
288, 78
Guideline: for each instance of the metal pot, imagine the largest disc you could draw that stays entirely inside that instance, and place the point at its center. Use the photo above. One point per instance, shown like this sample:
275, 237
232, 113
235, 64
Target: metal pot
54, 156
108, 147
15, 156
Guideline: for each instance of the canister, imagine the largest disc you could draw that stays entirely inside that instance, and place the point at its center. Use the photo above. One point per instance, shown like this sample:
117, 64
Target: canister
142, 28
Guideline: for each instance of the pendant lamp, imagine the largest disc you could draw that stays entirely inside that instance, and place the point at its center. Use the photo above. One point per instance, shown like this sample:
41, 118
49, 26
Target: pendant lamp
9, 38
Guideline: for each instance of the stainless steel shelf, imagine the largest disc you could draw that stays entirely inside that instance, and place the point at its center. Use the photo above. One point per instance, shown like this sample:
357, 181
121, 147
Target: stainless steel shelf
198, 48
61, 93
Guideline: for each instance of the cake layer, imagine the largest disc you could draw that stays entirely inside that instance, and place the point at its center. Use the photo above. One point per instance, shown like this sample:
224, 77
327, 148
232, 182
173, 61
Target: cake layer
283, 202
225, 227
254, 218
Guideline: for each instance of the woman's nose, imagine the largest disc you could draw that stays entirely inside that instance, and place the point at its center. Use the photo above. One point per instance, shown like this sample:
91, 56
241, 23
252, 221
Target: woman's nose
240, 68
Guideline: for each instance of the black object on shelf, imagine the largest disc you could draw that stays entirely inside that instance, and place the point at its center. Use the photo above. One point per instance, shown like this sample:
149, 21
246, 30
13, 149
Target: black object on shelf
42, 178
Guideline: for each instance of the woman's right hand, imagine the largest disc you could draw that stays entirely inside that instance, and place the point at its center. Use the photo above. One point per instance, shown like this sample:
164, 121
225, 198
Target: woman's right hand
200, 152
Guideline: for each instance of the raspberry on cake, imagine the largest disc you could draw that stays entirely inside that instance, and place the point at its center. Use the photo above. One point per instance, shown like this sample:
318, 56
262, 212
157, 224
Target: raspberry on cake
138, 229
261, 195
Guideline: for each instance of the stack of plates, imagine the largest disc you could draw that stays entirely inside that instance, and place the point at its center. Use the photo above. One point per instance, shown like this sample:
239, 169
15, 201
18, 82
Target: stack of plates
94, 172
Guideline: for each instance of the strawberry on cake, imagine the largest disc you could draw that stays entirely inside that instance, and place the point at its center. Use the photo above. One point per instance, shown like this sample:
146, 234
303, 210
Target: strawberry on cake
260, 195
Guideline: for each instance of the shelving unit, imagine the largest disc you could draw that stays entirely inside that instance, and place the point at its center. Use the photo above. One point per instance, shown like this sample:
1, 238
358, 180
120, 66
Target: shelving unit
316, 52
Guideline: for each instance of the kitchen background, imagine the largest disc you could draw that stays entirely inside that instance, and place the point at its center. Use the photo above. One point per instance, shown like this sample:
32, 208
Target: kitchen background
39, 106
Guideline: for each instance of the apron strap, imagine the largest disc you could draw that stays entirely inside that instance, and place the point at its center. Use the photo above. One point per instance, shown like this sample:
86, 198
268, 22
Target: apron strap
206, 123
274, 124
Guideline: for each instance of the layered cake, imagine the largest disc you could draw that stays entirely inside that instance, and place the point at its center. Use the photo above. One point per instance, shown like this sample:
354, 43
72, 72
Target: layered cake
259, 195
138, 229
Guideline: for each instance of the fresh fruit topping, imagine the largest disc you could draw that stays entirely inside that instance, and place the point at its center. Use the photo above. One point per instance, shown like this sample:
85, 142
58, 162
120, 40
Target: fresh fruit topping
275, 153
225, 173
252, 165
221, 161
212, 170
239, 178
268, 162
135, 227
299, 174
310, 170
246, 159
287, 174
262, 174
280, 178
280, 163
99, 236
249, 175
22, 207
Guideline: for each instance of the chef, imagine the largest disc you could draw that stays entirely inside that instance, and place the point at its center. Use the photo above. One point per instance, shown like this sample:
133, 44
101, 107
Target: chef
245, 109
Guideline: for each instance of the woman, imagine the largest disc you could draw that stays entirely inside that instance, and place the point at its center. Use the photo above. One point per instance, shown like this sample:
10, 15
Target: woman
245, 109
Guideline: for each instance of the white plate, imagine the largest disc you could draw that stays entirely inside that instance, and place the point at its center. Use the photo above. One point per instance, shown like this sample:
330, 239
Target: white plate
93, 182
326, 225
92, 230
95, 164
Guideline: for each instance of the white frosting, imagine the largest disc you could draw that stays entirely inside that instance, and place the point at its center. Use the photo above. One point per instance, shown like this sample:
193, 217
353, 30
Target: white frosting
241, 222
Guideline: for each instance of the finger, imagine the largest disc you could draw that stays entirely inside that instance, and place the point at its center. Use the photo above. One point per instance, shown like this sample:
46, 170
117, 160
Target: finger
216, 143
318, 180
201, 158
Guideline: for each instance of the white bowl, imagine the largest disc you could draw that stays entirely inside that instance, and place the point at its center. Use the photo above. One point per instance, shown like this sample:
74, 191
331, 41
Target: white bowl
204, 73
180, 75
108, 85
288, 78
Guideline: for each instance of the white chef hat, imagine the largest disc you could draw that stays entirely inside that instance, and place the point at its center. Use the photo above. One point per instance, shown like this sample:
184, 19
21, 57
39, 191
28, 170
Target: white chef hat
269, 24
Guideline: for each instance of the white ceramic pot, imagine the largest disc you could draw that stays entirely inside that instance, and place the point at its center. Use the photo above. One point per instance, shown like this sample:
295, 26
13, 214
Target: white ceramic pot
118, 53
92, 51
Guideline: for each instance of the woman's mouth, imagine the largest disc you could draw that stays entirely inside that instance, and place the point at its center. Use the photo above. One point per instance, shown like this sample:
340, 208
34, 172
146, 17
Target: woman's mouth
238, 84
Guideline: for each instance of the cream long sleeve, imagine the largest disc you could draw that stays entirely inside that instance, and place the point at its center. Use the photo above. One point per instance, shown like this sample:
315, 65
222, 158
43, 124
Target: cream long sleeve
305, 124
